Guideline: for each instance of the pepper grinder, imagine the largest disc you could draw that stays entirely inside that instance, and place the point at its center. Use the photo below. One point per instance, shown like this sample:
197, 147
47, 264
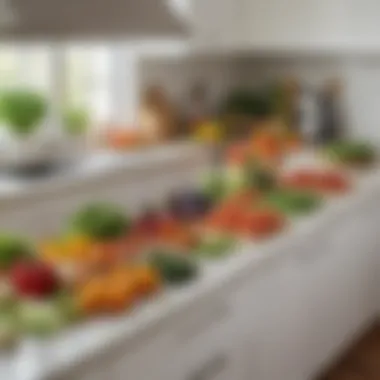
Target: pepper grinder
331, 123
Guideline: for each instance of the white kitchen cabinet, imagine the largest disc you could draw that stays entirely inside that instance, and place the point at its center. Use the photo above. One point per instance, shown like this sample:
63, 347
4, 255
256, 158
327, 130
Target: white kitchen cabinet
363, 27
293, 24
216, 25
276, 24
338, 277
198, 345
300, 311
286, 25
267, 318
149, 358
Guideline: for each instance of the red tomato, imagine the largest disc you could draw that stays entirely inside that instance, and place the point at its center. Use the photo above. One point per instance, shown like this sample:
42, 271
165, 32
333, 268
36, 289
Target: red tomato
334, 182
227, 218
324, 182
263, 223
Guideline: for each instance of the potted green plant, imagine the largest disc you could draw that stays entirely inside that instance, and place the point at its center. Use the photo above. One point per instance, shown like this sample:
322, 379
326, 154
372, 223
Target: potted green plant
75, 122
24, 118
22, 111
244, 107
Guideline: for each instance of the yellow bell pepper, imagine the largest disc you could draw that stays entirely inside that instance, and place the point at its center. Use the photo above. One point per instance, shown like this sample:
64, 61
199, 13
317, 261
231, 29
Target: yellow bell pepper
208, 132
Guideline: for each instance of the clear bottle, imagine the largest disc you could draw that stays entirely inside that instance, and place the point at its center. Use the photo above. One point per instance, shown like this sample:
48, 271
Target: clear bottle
309, 115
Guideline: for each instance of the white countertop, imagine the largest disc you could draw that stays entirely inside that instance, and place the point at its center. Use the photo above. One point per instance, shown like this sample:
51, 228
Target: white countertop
94, 166
72, 346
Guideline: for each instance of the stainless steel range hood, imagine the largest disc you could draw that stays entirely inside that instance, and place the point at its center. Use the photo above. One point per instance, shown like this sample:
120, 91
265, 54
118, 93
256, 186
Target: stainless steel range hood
82, 19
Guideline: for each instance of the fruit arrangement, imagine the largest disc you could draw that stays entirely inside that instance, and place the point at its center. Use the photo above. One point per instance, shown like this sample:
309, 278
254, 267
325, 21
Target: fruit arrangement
107, 261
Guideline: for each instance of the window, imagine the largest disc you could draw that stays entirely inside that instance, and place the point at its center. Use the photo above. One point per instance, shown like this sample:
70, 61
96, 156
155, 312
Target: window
87, 76
22, 66
101, 79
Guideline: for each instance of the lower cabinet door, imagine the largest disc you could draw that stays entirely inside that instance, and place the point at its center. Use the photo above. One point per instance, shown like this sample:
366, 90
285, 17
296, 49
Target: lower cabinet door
268, 317
337, 284
205, 346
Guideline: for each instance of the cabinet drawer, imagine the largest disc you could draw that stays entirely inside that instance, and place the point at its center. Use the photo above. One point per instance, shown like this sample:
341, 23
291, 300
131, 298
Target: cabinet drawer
205, 343
146, 359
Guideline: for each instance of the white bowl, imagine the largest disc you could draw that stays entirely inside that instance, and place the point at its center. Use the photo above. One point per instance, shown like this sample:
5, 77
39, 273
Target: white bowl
44, 147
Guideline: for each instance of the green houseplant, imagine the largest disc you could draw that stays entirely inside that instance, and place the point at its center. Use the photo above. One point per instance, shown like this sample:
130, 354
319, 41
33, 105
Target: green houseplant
28, 141
243, 107
22, 111
76, 121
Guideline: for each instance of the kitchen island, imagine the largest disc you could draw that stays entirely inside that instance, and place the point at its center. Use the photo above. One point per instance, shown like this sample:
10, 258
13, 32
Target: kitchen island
275, 310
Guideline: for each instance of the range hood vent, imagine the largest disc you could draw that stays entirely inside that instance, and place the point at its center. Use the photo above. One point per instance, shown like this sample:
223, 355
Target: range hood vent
83, 19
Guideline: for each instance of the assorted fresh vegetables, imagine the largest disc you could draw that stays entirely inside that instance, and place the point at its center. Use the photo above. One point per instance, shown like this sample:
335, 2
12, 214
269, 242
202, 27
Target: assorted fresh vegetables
317, 181
351, 153
259, 177
106, 261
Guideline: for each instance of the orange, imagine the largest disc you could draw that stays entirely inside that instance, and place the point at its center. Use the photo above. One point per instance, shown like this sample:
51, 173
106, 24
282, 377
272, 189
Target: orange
120, 295
147, 280
92, 296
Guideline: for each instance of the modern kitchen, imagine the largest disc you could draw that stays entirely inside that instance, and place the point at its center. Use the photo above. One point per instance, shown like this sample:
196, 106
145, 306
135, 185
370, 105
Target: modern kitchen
189, 190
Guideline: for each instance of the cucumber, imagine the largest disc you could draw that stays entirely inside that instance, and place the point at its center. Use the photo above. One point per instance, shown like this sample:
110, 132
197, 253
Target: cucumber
174, 269
293, 202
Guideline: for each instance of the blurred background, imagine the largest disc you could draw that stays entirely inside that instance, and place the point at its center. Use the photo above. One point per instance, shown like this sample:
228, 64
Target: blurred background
156, 148
104, 77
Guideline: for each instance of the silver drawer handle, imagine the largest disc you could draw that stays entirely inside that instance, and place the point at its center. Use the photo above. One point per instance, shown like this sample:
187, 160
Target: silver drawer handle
202, 321
211, 369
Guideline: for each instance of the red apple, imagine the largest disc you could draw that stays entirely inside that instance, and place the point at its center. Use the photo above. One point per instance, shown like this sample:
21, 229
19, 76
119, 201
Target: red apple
34, 279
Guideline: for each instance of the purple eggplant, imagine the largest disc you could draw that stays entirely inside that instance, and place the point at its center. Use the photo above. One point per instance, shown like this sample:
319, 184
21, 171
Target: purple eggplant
189, 205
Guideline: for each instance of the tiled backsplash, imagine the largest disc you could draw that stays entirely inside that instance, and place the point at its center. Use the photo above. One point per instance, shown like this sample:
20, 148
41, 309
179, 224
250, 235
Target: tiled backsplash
360, 76
177, 75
